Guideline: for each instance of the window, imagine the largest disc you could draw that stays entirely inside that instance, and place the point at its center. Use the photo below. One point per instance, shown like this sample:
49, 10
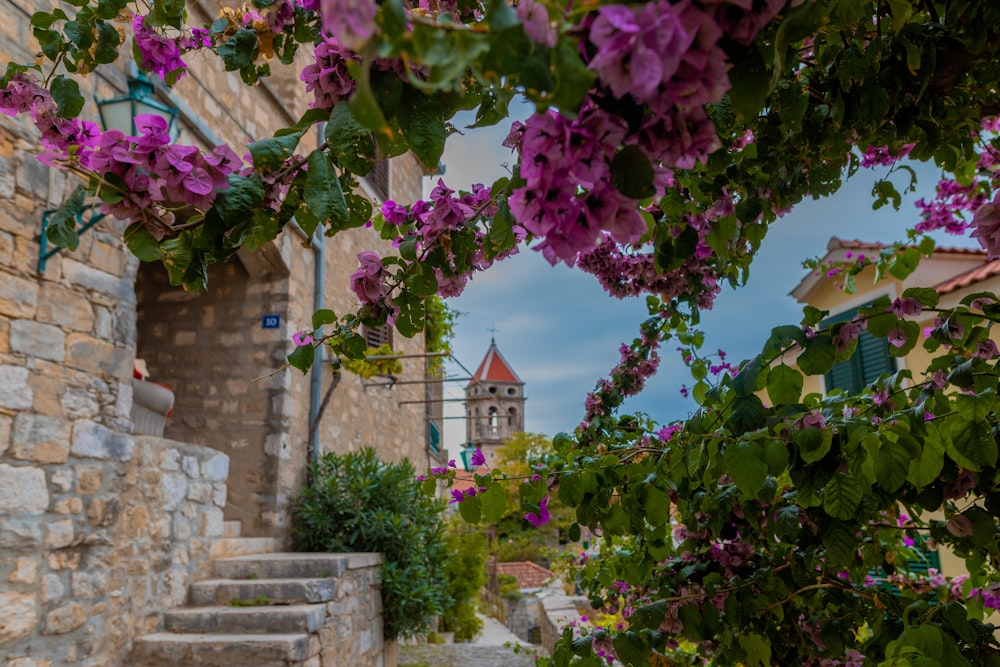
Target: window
511, 391
870, 360
379, 178
433, 437
376, 336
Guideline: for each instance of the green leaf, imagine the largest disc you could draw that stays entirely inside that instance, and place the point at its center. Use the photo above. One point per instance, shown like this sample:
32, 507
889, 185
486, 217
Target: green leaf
108, 41
363, 104
323, 196
302, 358
630, 649
903, 264
813, 443
270, 154
50, 41
892, 464
784, 385
239, 50
757, 649
423, 124
971, 442
350, 141
470, 509
142, 243
61, 229
786, 523
322, 317
926, 468
751, 83
748, 414
573, 78
745, 464
66, 95
819, 356
80, 33
841, 496
926, 296
632, 173
493, 501
237, 202
781, 338
840, 544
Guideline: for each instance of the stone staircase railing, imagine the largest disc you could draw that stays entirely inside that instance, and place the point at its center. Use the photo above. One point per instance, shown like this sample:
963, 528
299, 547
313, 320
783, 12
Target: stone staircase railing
275, 610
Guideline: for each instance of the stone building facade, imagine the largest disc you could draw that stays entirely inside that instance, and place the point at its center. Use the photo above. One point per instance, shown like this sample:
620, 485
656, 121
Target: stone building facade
100, 529
494, 404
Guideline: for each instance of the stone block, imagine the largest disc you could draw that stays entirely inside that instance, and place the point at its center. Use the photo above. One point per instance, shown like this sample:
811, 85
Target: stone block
35, 339
80, 403
59, 534
64, 307
5, 429
216, 468
174, 488
70, 506
23, 490
65, 619
89, 585
89, 480
15, 393
62, 478
99, 281
103, 511
210, 523
40, 439
20, 535
108, 258
92, 440
97, 356
18, 296
18, 616
25, 571
53, 588
32, 176
189, 465
28, 662
200, 492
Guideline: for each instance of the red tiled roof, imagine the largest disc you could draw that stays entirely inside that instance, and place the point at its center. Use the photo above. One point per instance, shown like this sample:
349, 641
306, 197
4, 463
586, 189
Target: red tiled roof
529, 575
970, 277
855, 244
494, 368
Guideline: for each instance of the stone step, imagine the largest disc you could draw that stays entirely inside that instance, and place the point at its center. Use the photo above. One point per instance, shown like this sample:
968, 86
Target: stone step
227, 547
292, 565
267, 591
232, 528
249, 620
220, 650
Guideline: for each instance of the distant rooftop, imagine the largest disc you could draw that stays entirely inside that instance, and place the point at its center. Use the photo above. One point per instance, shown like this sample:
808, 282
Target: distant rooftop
530, 576
494, 368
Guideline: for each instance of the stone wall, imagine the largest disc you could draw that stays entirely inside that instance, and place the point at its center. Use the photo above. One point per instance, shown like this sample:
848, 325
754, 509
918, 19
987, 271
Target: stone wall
558, 609
352, 634
137, 517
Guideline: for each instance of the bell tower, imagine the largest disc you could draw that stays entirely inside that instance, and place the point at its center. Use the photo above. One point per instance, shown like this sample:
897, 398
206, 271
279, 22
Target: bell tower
494, 400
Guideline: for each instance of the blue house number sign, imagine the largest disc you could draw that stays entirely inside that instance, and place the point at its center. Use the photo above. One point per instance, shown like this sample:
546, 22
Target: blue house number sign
270, 321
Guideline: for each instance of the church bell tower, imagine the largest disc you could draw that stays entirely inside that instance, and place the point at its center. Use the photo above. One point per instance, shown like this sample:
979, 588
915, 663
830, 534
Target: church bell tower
494, 400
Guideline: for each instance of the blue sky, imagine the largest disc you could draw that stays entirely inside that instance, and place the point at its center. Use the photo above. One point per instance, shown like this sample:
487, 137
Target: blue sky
561, 331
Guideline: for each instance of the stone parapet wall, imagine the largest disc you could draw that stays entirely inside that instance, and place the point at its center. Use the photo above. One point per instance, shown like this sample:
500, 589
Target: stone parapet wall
93, 550
558, 609
352, 634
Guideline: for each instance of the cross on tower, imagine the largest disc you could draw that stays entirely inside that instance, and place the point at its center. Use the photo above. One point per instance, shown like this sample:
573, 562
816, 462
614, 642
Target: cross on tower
493, 330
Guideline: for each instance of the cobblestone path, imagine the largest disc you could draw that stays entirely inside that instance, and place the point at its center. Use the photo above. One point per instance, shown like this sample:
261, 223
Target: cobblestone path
492, 648
462, 655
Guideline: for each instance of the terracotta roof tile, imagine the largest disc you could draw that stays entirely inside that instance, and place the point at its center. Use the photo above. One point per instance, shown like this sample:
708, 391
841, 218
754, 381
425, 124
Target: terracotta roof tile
529, 575
494, 368
970, 277
855, 244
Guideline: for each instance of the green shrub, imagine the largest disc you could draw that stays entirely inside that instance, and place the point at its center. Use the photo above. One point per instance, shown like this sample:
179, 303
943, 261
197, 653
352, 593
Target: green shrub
361, 503
466, 573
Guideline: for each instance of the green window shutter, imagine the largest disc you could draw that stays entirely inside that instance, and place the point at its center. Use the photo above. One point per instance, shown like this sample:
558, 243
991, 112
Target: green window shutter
870, 360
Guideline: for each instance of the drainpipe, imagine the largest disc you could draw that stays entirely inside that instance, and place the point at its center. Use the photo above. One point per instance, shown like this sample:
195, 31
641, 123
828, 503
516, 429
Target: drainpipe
316, 379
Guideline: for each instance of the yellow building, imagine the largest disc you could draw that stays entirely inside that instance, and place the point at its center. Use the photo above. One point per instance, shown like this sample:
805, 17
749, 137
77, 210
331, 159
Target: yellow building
953, 273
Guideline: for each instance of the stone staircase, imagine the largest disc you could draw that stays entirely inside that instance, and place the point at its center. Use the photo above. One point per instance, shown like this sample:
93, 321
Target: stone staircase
267, 609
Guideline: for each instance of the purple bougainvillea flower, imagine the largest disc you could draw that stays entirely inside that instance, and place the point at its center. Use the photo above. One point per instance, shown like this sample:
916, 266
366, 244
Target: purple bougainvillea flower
302, 338
987, 224
542, 517
477, 458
